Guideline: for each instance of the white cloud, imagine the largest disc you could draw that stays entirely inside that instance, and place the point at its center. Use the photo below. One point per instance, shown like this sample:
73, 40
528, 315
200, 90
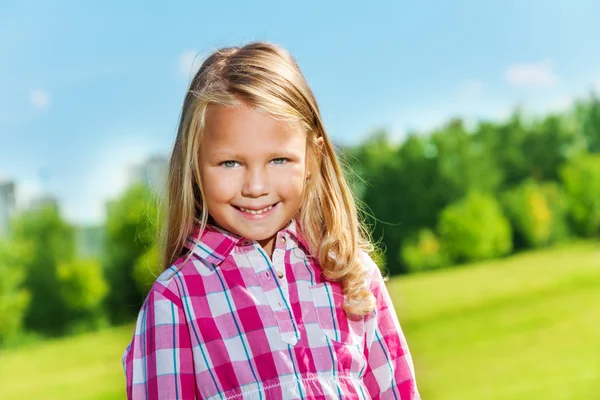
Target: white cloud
39, 99
189, 62
531, 74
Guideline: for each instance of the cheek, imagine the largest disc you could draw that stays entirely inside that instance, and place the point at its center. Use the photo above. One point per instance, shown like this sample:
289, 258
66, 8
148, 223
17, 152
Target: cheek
291, 186
217, 188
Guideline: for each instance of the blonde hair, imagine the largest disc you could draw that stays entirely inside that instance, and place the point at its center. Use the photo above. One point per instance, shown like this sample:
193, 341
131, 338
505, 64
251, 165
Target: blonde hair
266, 77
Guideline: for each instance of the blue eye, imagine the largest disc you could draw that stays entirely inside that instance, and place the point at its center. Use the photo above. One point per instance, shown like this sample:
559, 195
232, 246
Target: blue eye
229, 163
279, 161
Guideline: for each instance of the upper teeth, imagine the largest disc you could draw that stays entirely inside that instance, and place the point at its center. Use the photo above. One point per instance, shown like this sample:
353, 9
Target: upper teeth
256, 212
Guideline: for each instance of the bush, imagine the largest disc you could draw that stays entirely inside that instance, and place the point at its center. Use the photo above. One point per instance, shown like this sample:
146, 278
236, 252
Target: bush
474, 228
423, 252
14, 300
581, 180
82, 285
530, 215
557, 201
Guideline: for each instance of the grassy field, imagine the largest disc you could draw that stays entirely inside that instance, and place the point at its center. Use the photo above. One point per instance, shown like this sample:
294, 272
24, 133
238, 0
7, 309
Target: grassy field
527, 327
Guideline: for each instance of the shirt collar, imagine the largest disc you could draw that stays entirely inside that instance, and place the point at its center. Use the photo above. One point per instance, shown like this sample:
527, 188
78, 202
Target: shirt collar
295, 230
216, 244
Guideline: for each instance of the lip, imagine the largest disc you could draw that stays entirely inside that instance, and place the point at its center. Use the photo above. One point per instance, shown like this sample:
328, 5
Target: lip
254, 217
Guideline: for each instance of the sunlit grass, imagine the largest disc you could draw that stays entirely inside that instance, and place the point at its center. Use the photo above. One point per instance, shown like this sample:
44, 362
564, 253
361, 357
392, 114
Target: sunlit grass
527, 327
82, 367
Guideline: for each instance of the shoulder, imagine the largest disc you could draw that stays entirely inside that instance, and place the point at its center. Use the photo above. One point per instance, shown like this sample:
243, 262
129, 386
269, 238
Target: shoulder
371, 270
173, 283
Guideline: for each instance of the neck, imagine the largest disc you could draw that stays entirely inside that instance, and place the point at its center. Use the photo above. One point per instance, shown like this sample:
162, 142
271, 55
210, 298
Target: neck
267, 246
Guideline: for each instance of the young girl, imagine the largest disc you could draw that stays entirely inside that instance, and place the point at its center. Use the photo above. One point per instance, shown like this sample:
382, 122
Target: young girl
268, 292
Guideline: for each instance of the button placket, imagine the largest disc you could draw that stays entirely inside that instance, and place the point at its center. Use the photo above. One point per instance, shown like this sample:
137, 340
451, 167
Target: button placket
275, 290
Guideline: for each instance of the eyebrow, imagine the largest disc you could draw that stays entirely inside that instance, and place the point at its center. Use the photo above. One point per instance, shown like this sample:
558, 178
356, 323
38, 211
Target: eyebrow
226, 155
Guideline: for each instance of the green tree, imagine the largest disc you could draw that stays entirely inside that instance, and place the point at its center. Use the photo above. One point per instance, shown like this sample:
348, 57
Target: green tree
464, 163
587, 113
424, 252
505, 142
83, 288
14, 299
147, 268
558, 203
530, 215
410, 186
474, 228
549, 144
49, 241
395, 198
131, 231
581, 181
368, 159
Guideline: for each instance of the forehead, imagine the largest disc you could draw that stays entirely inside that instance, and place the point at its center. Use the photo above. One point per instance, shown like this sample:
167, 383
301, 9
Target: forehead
229, 125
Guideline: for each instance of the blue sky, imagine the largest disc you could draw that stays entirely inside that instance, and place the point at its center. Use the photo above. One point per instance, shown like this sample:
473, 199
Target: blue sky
87, 90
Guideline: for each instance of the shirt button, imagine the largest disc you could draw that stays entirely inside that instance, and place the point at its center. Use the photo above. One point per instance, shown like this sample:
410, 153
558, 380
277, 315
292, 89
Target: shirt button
283, 239
246, 242
280, 274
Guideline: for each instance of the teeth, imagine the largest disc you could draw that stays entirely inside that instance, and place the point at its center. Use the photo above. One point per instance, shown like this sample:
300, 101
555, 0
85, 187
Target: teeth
256, 212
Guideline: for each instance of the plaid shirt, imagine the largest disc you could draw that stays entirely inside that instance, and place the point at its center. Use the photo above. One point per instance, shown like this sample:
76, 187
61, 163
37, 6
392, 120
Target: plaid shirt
233, 324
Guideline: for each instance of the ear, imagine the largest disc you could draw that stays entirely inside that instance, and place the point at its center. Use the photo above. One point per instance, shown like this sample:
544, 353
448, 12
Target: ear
320, 142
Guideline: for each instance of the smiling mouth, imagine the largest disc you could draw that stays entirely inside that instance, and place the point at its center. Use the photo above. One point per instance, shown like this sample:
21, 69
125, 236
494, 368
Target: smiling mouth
256, 211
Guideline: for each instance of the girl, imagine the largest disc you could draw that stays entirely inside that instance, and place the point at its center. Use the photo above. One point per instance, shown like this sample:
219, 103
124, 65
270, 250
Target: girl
268, 292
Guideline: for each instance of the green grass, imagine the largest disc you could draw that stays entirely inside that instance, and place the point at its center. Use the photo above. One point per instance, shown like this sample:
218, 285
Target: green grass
527, 327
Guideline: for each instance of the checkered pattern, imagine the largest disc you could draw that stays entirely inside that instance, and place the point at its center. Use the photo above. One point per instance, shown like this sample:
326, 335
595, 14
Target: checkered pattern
224, 325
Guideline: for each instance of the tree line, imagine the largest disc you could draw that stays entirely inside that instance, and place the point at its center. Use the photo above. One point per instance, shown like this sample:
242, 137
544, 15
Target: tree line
437, 199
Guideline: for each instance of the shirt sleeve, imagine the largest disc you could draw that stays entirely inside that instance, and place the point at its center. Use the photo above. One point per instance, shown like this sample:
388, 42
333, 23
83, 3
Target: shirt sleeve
158, 362
390, 372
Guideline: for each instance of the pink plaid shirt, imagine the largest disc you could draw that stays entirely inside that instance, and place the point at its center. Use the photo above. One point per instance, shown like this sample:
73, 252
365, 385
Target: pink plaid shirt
233, 324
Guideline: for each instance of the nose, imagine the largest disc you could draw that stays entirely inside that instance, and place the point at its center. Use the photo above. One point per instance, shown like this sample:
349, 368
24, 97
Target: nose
256, 183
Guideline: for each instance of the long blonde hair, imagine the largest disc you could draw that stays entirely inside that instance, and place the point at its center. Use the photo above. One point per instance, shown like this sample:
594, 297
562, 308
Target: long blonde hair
265, 76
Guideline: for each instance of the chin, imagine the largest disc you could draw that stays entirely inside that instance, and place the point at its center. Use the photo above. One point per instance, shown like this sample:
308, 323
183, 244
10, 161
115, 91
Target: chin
260, 235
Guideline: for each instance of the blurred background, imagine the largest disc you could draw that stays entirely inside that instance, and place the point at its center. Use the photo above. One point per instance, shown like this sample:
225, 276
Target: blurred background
470, 131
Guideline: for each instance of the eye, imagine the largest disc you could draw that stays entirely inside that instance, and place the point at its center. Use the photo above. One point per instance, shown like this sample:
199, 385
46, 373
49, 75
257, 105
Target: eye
229, 164
279, 161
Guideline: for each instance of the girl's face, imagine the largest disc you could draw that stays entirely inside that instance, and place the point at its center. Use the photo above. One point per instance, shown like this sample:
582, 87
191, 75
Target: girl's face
253, 171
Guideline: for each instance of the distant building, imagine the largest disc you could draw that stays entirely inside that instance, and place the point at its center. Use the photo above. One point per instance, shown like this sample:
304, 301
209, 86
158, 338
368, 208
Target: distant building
7, 205
153, 173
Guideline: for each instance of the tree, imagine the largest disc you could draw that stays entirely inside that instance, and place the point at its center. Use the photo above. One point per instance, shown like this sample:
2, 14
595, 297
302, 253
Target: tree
14, 299
464, 163
64, 291
131, 231
588, 115
530, 214
474, 228
83, 288
410, 186
505, 143
581, 181
549, 144
424, 252
49, 241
